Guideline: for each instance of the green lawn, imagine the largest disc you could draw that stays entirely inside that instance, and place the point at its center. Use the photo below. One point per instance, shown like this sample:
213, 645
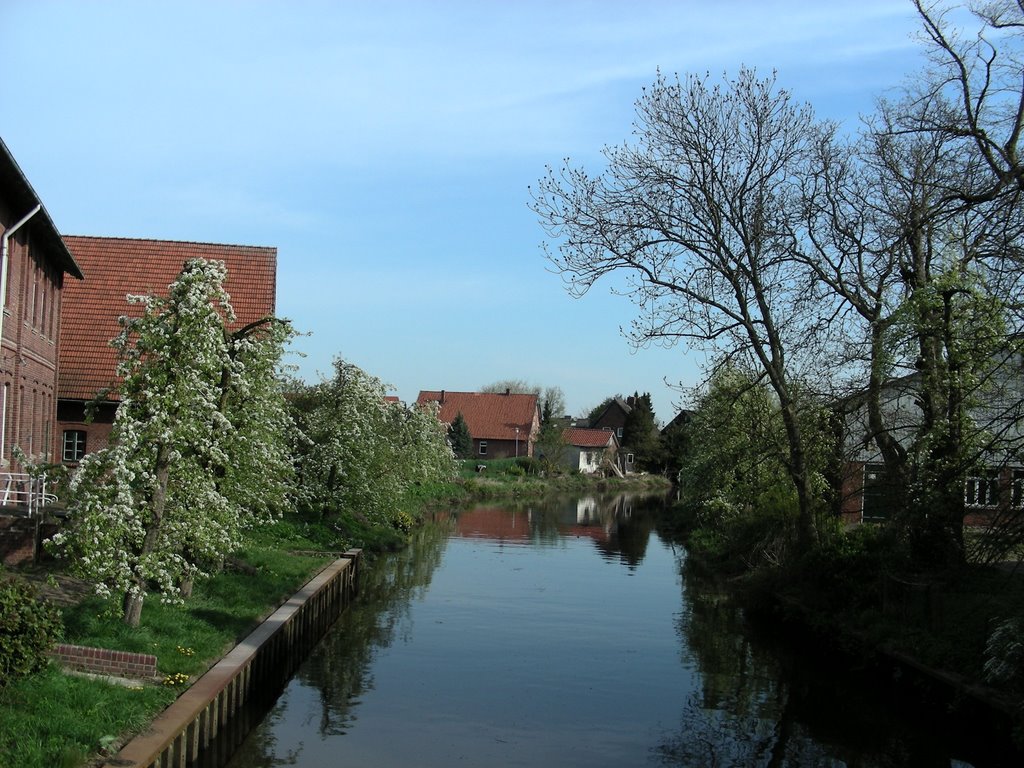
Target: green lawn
53, 719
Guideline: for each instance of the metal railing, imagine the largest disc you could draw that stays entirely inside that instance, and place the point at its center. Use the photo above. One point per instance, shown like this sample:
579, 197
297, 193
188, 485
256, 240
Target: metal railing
21, 490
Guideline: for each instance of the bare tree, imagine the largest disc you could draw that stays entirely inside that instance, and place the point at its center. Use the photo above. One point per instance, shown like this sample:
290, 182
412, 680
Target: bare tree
974, 89
917, 229
696, 221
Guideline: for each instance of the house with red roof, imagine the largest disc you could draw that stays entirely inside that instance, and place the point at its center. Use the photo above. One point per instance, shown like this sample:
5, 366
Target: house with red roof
502, 425
590, 450
114, 268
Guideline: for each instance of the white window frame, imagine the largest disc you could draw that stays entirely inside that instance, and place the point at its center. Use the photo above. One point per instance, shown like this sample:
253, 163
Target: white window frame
483, 447
982, 490
77, 446
1017, 489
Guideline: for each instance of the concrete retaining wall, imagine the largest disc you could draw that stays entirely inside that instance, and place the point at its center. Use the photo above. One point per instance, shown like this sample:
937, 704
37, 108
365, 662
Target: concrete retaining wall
256, 668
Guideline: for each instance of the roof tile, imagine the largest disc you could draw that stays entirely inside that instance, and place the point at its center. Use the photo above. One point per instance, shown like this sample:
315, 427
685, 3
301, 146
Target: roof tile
116, 267
489, 416
588, 438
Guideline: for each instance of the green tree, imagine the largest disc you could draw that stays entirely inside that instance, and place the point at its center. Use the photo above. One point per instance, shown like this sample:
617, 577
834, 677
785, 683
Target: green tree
674, 446
550, 449
171, 494
459, 437
915, 227
366, 452
736, 434
640, 432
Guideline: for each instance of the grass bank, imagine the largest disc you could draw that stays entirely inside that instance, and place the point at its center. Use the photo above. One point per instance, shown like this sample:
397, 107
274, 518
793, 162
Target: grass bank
53, 719
523, 478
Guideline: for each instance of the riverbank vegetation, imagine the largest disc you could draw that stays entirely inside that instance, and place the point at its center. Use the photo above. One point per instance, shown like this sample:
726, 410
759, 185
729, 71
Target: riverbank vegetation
363, 486
858, 295
528, 477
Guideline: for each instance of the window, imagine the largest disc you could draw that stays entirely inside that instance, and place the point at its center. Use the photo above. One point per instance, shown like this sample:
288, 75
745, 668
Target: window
982, 490
74, 444
1017, 489
618, 433
629, 458
483, 447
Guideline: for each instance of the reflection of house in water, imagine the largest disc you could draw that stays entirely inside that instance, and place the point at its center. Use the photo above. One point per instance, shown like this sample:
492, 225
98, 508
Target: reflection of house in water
586, 510
495, 523
610, 523
615, 524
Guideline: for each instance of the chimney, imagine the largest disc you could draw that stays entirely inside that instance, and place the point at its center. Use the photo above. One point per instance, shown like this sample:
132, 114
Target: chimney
442, 397
508, 391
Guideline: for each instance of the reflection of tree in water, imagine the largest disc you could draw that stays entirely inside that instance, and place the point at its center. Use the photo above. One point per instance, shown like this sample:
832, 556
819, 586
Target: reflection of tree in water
761, 705
339, 666
260, 749
631, 522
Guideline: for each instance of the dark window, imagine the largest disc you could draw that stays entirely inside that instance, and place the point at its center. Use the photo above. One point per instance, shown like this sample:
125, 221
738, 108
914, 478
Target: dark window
74, 444
483, 447
1017, 489
982, 490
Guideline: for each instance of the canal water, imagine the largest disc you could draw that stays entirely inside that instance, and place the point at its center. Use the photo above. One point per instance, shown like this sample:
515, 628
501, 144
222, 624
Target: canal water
570, 633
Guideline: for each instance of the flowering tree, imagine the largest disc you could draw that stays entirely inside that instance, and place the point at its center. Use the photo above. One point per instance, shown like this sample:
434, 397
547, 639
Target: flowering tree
367, 451
196, 451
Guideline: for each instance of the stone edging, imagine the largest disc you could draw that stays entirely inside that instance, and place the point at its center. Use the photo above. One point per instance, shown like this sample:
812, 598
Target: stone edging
260, 663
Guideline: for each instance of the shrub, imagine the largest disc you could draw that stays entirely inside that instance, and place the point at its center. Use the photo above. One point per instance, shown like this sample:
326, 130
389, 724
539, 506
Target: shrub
529, 465
1004, 654
28, 629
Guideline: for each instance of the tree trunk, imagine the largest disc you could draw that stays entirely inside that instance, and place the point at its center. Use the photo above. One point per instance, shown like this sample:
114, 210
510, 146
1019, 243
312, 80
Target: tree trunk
806, 530
132, 608
157, 504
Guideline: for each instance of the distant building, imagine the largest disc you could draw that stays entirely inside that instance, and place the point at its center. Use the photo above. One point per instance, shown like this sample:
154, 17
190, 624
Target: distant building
502, 425
613, 417
590, 451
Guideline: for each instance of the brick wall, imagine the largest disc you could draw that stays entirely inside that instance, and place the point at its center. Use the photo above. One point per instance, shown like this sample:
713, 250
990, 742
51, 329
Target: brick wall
28, 365
102, 661
17, 540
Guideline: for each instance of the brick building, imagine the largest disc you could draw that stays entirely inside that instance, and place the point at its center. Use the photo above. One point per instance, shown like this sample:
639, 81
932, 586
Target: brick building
114, 268
35, 264
502, 425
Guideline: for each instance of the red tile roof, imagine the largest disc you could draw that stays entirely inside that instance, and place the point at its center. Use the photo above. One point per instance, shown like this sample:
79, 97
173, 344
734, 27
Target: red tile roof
488, 416
115, 267
588, 438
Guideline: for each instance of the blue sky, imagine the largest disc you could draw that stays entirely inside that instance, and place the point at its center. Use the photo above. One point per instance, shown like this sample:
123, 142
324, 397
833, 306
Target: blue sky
386, 149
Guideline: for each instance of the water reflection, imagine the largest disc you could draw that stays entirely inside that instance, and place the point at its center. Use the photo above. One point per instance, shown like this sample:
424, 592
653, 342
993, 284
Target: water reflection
619, 525
767, 700
340, 670
565, 633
